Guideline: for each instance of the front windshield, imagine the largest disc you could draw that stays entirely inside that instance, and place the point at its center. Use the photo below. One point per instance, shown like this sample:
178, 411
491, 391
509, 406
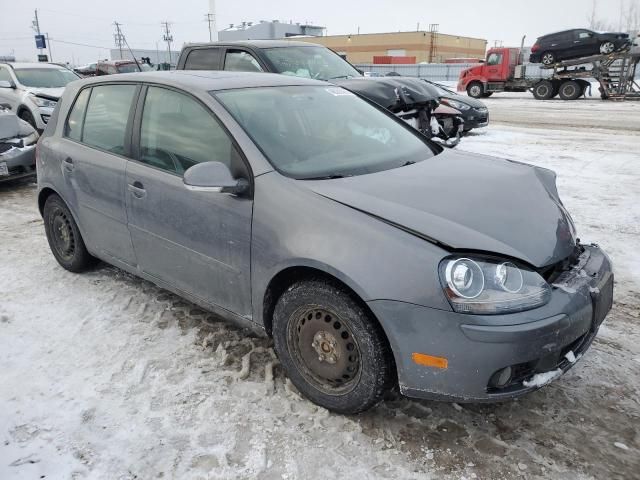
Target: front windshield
309, 132
45, 77
310, 62
132, 67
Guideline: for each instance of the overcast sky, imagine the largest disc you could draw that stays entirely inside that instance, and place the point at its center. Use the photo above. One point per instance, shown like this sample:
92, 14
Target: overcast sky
90, 22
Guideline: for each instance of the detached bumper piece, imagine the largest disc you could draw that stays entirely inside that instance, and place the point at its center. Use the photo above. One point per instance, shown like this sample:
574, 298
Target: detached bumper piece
17, 161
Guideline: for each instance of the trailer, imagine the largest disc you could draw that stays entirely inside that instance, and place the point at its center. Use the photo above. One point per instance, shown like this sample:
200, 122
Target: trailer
505, 71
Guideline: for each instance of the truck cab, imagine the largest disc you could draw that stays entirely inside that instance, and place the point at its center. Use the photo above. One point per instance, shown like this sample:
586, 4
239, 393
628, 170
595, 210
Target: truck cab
492, 75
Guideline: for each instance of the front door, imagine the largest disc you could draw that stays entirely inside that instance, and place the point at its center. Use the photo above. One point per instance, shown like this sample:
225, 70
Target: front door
94, 166
494, 67
196, 241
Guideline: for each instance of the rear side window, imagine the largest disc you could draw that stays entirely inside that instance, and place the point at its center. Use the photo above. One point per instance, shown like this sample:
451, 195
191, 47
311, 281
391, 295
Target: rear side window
107, 115
203, 59
73, 128
177, 132
4, 74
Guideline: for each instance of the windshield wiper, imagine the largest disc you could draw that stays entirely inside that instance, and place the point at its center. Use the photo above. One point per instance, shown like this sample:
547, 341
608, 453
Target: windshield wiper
339, 76
326, 177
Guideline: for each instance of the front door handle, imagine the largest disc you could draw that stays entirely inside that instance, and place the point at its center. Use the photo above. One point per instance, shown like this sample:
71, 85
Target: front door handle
137, 189
67, 163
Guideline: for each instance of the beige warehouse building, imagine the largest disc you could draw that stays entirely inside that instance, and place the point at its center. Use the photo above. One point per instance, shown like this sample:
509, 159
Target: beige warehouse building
425, 46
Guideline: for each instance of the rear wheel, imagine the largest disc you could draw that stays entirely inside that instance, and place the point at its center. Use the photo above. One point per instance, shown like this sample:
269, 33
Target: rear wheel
607, 47
548, 58
570, 90
330, 348
64, 238
544, 90
475, 90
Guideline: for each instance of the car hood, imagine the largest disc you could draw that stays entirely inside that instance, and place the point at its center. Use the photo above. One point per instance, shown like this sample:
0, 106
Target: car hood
396, 94
472, 102
466, 202
50, 93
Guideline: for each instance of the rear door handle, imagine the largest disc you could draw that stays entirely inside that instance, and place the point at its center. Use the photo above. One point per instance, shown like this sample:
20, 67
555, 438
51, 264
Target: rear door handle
67, 163
137, 189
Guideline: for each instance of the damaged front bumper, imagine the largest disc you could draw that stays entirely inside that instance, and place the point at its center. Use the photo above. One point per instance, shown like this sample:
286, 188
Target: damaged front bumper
18, 162
497, 357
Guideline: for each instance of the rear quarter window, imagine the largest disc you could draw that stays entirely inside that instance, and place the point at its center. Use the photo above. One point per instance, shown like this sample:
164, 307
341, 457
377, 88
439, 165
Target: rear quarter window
203, 59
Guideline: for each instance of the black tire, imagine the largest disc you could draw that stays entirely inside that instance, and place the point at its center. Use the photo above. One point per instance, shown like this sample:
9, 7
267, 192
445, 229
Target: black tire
333, 352
570, 90
544, 90
487, 94
548, 58
64, 238
27, 117
475, 89
607, 47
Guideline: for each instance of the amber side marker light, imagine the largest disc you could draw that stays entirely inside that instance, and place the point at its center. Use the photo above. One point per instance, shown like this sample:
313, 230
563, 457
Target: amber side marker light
429, 360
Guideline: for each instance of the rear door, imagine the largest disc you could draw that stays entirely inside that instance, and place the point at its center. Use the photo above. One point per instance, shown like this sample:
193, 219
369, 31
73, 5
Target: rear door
585, 43
196, 241
241, 60
97, 133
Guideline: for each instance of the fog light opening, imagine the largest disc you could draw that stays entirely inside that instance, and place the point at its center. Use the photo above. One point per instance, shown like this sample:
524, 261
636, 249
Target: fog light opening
501, 378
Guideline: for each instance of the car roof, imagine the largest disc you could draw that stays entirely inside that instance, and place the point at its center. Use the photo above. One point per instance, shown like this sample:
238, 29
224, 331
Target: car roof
116, 62
254, 44
563, 31
204, 80
32, 65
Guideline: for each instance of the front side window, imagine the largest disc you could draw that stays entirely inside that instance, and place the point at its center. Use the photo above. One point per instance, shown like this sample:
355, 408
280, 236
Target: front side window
73, 128
323, 131
177, 132
494, 59
203, 59
310, 62
241, 61
45, 77
107, 115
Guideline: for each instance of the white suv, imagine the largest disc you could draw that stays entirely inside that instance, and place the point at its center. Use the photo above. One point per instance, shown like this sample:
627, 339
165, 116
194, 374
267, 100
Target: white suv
32, 90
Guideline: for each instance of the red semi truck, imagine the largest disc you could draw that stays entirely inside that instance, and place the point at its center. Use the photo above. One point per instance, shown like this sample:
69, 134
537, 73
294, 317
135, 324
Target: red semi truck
505, 71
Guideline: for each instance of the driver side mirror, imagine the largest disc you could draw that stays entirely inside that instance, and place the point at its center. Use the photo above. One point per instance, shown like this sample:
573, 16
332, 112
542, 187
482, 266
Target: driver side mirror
6, 84
213, 177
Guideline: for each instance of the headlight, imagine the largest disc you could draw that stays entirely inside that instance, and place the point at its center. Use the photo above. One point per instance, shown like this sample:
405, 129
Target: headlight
30, 139
488, 287
455, 104
43, 102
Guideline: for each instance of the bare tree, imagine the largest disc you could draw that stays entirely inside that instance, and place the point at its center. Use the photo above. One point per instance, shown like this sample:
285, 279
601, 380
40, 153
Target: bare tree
595, 22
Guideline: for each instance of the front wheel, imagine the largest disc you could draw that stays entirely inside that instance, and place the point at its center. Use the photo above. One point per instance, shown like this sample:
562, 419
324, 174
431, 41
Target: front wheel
64, 237
475, 90
607, 47
330, 347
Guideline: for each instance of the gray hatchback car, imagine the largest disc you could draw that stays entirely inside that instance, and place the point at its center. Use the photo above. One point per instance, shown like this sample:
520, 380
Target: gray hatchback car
372, 257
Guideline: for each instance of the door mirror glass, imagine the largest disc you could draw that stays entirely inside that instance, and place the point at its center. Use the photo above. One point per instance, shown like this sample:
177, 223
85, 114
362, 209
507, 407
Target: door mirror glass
6, 84
213, 177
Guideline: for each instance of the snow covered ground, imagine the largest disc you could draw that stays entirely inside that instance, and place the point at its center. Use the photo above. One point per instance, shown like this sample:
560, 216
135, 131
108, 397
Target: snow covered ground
105, 376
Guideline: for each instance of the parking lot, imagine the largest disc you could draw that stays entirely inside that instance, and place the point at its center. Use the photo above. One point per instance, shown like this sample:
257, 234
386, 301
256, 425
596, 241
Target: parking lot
107, 376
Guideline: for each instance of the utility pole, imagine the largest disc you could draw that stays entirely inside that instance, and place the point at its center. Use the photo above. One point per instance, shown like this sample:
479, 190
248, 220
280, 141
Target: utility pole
119, 38
35, 24
49, 45
210, 19
167, 37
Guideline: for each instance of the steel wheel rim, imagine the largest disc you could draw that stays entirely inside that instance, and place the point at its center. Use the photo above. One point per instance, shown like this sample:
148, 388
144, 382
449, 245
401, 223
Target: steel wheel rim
324, 350
543, 90
63, 239
569, 91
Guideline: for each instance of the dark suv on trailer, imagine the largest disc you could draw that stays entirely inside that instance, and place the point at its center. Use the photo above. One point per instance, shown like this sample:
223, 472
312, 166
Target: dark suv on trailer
575, 43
